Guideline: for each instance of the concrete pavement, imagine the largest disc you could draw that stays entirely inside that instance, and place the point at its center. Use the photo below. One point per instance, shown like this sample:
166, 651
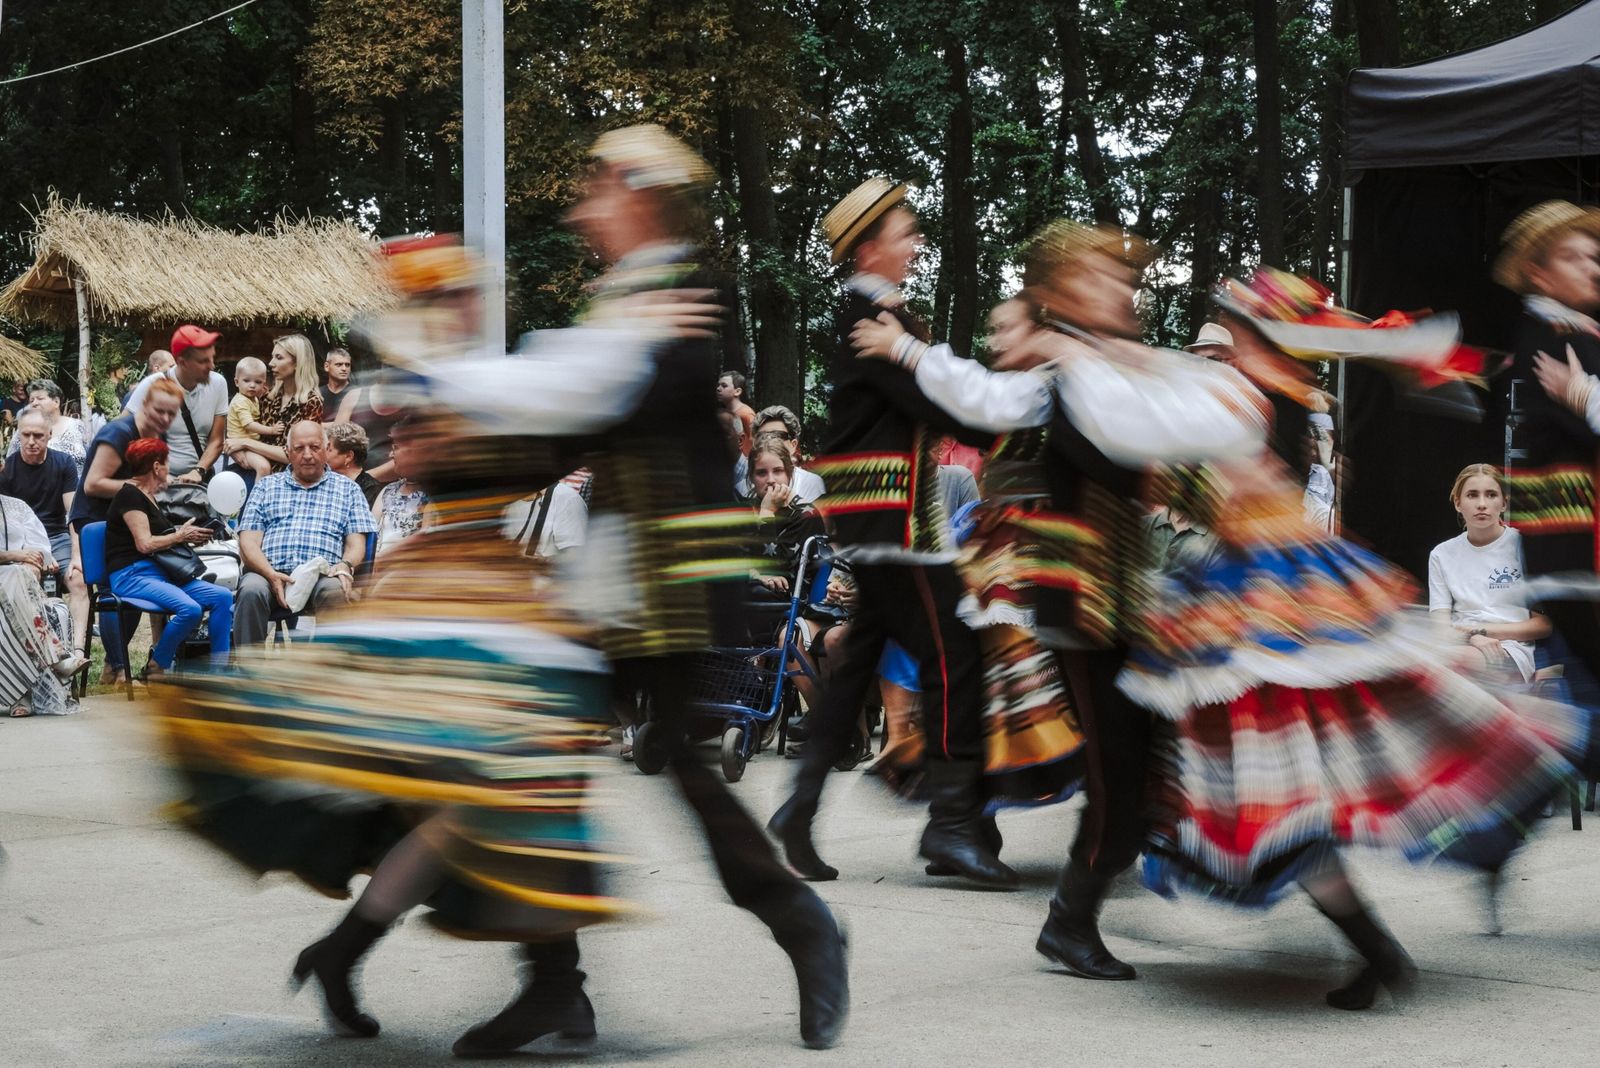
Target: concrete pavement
123, 941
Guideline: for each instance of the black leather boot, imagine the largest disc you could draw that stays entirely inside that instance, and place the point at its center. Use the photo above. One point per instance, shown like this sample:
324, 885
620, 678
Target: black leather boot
989, 830
817, 948
1387, 965
552, 1002
953, 838
332, 960
1071, 936
791, 826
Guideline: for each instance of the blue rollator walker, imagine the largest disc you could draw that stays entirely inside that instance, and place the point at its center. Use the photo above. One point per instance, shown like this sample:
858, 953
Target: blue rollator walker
742, 691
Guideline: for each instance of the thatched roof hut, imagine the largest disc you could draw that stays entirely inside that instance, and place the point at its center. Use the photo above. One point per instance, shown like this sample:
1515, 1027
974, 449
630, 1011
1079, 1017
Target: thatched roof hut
18, 363
174, 270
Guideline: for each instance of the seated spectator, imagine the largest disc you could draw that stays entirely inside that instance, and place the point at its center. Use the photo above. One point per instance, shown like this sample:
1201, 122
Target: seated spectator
244, 416
336, 365
741, 459
368, 408
347, 456
35, 641
44, 479
294, 396
137, 530
1476, 577
306, 520
401, 507
731, 399
14, 403
197, 438
1177, 543
63, 433
549, 522
103, 475
783, 424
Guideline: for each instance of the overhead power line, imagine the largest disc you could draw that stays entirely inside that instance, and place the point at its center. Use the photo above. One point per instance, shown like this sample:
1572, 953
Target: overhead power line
130, 48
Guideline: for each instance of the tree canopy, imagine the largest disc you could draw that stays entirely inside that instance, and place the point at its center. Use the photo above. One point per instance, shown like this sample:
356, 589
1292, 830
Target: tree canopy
1211, 127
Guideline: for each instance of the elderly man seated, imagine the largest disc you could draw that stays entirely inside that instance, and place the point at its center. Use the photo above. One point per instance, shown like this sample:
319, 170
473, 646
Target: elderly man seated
45, 479
302, 525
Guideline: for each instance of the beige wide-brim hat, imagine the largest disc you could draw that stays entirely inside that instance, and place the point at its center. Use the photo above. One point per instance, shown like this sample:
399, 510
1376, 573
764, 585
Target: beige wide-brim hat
648, 157
1059, 243
1532, 231
1211, 334
850, 218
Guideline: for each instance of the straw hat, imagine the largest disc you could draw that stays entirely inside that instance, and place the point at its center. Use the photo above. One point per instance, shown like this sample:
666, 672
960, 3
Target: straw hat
1211, 335
865, 205
1061, 242
650, 158
1532, 231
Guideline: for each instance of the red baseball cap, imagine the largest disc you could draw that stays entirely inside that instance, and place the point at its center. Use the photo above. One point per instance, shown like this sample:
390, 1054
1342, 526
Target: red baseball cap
189, 336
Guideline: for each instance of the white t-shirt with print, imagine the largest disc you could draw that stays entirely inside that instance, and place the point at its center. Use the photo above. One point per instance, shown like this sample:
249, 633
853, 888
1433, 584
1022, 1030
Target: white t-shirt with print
1482, 584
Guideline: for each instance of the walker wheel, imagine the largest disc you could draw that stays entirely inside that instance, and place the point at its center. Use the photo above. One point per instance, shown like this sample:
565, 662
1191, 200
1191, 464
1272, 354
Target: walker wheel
733, 758
649, 748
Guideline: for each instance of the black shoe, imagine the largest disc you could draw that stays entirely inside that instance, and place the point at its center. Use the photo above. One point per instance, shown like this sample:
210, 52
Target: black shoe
856, 756
1398, 976
1071, 935
818, 949
953, 839
989, 830
331, 961
791, 826
552, 1002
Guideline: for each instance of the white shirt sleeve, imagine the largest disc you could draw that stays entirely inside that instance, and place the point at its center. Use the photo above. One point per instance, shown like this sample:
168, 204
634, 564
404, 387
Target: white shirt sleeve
994, 401
219, 400
23, 529
1174, 410
1439, 597
136, 398
571, 381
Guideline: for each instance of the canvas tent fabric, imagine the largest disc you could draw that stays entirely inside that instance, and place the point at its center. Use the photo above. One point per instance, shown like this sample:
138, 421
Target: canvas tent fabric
1534, 96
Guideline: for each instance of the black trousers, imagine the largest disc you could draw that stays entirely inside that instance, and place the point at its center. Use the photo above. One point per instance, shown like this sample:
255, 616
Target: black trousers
750, 871
915, 604
1117, 740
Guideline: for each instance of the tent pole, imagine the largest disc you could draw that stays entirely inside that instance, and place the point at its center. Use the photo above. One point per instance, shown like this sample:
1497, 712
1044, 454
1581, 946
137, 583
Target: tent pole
85, 398
1344, 302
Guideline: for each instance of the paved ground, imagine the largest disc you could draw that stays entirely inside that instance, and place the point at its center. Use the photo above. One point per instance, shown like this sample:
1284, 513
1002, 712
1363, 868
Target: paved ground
124, 942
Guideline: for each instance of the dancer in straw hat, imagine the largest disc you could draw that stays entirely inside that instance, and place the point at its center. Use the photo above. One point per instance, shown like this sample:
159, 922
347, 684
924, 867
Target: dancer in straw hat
884, 506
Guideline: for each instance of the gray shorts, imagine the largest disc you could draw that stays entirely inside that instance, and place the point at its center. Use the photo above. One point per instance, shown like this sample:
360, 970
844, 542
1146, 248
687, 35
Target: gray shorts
61, 549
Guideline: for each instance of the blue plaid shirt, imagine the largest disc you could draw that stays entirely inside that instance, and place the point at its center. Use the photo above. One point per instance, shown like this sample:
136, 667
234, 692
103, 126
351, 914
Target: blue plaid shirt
301, 522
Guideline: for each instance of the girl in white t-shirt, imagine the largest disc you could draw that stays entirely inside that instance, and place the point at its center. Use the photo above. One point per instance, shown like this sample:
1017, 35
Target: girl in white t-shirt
1477, 577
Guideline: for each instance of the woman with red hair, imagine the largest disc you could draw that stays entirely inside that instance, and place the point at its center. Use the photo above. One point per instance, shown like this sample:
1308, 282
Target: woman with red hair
136, 531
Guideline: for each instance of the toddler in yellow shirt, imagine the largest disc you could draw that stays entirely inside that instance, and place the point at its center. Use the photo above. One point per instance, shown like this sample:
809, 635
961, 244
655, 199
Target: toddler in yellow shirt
250, 376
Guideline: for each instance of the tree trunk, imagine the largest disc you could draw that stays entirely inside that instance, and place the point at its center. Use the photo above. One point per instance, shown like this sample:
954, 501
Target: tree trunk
960, 202
1269, 134
307, 166
174, 187
1324, 256
778, 372
392, 154
1378, 32
446, 185
717, 147
1077, 112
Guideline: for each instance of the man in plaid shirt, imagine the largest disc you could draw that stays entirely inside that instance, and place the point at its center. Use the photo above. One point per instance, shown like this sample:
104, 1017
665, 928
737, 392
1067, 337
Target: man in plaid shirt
294, 517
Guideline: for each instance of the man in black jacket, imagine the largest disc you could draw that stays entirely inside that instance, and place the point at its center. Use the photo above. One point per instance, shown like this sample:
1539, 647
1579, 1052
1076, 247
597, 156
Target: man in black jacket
884, 505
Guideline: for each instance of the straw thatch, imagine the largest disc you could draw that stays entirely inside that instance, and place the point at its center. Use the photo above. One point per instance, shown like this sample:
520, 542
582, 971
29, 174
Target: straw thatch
19, 363
176, 270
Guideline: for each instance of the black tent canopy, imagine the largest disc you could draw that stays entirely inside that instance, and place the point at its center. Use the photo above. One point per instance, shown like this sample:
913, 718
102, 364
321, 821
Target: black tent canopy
1536, 96
1439, 158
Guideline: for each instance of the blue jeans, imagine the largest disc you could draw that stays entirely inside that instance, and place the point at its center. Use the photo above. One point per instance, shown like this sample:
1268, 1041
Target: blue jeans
146, 582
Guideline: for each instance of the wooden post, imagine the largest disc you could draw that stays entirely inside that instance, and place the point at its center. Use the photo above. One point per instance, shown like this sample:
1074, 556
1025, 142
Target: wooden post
85, 398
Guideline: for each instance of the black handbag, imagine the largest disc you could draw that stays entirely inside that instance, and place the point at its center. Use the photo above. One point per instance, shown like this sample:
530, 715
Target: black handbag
181, 564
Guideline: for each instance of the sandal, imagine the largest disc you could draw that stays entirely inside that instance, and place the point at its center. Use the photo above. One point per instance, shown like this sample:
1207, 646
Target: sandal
72, 665
20, 711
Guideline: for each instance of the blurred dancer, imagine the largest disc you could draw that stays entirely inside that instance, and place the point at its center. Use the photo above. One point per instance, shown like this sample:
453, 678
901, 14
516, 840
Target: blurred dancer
1551, 257
884, 506
1088, 566
661, 471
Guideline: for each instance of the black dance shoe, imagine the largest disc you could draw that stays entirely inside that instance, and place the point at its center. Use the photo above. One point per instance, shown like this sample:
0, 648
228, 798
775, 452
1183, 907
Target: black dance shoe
332, 960
791, 826
819, 951
552, 1002
1071, 935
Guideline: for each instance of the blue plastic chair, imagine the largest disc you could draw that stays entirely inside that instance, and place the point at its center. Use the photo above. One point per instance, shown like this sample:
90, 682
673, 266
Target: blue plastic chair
92, 545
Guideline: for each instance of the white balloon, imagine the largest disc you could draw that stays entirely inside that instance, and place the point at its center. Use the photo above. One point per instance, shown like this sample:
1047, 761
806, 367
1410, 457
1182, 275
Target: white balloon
226, 493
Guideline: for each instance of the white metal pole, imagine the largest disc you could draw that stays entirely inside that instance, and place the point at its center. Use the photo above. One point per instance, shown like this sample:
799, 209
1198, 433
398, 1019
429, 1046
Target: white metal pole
483, 89
85, 398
